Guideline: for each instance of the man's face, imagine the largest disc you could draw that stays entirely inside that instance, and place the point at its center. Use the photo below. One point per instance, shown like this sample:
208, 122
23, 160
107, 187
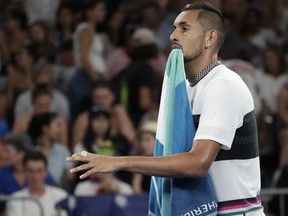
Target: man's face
103, 97
42, 104
36, 172
188, 35
12, 157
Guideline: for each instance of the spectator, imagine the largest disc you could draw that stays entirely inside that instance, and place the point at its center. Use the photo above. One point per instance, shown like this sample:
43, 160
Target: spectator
64, 24
282, 102
235, 45
16, 35
120, 122
114, 25
270, 80
19, 76
274, 17
98, 137
2, 162
40, 35
146, 136
44, 129
43, 74
4, 53
88, 54
272, 77
138, 81
41, 98
253, 30
152, 17
35, 168
12, 175
98, 140
64, 67
99, 184
121, 57
4, 128
18, 81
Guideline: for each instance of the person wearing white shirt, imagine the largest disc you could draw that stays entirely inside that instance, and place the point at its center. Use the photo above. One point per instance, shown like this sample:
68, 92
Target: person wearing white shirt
35, 167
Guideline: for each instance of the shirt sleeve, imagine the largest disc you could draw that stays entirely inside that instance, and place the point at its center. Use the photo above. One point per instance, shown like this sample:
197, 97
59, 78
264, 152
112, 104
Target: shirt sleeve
223, 106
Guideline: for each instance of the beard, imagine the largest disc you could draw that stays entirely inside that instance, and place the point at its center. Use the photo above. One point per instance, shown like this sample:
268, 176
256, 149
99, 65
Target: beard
194, 55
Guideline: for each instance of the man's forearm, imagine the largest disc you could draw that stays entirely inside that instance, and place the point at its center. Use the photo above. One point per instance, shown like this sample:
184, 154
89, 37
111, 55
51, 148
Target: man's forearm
177, 165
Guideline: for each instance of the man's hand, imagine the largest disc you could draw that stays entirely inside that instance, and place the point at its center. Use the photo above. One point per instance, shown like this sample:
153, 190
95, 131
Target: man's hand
94, 163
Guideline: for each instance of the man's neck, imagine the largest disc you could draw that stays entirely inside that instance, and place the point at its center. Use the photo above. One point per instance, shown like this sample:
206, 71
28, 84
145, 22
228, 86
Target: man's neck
37, 190
194, 67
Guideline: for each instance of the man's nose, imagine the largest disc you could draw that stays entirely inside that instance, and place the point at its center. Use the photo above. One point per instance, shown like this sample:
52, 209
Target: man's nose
173, 37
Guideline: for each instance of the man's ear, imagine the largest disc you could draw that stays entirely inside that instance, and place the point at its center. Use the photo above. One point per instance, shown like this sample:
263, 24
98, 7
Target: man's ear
211, 38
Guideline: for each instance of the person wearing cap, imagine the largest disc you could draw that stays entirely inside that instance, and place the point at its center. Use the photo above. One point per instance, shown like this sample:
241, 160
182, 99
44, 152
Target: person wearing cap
138, 85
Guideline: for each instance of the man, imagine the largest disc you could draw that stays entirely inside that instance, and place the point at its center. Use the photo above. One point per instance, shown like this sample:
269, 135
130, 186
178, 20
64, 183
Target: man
35, 167
225, 142
41, 98
13, 178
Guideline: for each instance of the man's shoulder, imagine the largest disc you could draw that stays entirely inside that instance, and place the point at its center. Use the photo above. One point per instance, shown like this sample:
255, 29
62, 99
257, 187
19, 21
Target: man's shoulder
56, 191
5, 172
223, 74
21, 193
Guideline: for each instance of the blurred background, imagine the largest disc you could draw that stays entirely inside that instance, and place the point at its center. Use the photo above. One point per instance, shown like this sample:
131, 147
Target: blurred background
86, 75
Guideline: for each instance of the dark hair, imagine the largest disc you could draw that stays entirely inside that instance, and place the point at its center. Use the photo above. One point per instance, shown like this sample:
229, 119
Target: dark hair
35, 156
210, 18
89, 4
278, 51
39, 90
21, 142
35, 127
58, 12
144, 52
18, 16
102, 84
151, 4
30, 49
89, 137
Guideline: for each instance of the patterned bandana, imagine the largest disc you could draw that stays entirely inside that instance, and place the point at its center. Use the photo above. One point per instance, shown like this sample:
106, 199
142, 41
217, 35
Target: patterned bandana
193, 81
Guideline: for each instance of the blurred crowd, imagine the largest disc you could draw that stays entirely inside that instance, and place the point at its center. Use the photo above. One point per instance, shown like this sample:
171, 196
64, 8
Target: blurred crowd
87, 75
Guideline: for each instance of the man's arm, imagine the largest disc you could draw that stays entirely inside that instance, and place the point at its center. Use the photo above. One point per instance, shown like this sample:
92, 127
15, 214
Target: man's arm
194, 163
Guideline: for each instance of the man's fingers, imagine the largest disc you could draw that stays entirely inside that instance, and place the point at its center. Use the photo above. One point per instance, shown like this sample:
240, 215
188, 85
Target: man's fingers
86, 174
80, 168
80, 156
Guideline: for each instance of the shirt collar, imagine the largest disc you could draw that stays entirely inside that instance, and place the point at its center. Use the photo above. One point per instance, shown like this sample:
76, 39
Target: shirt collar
194, 80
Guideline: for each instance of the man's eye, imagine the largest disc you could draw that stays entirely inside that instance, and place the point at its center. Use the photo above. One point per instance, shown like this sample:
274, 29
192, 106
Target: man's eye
185, 29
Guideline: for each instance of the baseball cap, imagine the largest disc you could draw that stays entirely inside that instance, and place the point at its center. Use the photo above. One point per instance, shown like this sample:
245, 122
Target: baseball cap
143, 37
149, 126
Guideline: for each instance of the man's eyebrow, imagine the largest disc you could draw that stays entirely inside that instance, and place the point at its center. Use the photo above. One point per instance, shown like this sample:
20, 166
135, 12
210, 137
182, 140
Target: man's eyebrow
181, 24
184, 23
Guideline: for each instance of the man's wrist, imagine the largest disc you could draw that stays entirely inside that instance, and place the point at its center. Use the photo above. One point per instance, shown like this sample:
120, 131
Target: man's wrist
120, 163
